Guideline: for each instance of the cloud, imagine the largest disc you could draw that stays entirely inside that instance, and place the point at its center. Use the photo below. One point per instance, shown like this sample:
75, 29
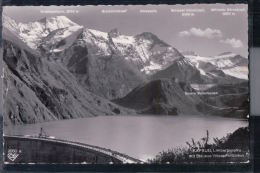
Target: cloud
184, 33
207, 33
235, 43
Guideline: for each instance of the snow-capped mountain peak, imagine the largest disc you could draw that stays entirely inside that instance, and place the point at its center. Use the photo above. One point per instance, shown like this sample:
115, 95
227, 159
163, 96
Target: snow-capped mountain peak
57, 22
230, 63
145, 51
151, 37
33, 32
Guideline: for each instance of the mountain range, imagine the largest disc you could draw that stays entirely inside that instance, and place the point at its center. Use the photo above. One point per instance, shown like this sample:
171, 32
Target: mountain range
57, 69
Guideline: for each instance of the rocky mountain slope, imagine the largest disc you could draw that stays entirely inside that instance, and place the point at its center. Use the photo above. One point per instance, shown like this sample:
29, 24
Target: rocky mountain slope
231, 100
166, 97
114, 63
161, 96
37, 89
33, 32
106, 73
226, 63
223, 69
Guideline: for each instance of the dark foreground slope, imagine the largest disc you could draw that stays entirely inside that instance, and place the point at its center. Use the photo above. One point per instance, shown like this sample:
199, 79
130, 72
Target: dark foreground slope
233, 148
36, 89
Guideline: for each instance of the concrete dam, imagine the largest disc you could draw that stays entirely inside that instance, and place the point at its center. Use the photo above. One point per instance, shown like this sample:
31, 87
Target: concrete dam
47, 150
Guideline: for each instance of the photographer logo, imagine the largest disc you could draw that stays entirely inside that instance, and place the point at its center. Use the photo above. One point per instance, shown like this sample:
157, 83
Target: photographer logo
13, 154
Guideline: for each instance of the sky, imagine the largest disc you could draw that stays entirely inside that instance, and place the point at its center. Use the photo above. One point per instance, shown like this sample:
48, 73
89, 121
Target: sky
206, 29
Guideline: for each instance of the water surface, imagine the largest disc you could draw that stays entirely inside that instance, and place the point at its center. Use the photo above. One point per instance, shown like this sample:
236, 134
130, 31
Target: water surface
141, 137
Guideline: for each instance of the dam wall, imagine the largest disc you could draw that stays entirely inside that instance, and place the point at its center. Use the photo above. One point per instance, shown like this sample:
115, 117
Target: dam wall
43, 150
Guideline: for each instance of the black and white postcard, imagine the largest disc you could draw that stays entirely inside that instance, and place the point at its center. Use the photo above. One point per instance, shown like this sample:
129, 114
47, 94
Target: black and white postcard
136, 84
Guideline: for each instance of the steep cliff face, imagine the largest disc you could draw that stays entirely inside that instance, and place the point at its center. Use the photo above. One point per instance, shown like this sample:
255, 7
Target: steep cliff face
109, 76
37, 89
